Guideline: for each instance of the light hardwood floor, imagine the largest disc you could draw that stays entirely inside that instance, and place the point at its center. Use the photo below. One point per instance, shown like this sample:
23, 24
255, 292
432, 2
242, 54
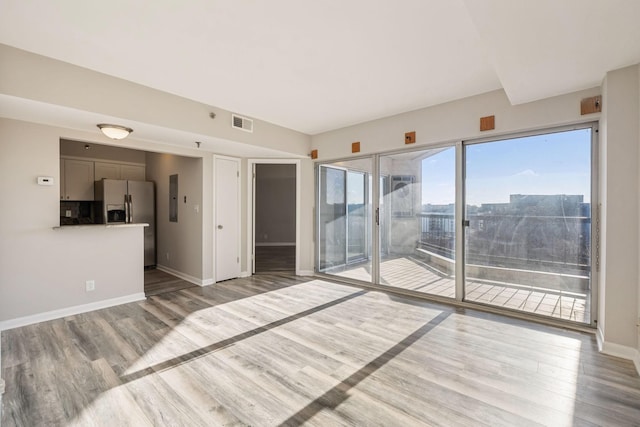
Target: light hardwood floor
277, 350
158, 282
275, 259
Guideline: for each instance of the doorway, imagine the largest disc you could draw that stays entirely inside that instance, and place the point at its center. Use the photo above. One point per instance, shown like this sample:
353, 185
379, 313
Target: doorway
273, 243
275, 218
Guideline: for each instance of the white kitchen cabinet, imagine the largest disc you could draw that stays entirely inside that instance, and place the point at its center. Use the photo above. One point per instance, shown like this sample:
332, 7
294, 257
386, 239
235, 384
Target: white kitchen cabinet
105, 170
78, 180
132, 172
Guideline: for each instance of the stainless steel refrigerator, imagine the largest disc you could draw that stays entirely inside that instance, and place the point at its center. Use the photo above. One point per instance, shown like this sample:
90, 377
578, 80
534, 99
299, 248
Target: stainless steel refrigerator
121, 202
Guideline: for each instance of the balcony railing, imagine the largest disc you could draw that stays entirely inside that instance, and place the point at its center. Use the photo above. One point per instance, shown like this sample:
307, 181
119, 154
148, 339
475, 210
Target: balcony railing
437, 233
558, 244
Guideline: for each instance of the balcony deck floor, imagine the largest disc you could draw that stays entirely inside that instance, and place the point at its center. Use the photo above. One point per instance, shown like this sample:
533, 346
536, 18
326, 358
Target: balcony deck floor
412, 274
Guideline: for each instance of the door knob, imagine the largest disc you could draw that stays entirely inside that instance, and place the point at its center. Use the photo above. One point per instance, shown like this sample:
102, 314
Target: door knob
219, 227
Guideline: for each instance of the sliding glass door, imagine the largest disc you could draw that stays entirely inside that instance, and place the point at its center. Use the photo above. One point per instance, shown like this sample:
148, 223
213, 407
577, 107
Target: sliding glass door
345, 219
506, 222
528, 224
417, 221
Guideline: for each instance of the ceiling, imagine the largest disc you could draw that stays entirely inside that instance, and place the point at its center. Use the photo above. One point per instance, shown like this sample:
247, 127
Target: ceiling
315, 66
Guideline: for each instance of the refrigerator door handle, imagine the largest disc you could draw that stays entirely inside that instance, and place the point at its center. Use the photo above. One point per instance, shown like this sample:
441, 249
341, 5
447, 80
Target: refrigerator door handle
126, 209
130, 208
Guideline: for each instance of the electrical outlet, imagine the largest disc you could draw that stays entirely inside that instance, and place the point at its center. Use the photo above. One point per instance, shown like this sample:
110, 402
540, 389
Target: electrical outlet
90, 285
167, 256
67, 213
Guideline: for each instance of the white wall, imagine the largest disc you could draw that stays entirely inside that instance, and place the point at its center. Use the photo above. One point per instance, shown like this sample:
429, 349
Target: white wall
179, 245
452, 121
620, 183
42, 269
207, 217
307, 215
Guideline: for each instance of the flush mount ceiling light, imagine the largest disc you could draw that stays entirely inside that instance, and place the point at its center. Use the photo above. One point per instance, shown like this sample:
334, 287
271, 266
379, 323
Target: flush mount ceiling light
115, 131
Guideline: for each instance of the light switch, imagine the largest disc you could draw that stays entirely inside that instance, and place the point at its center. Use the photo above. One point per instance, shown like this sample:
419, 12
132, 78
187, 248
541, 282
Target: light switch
45, 180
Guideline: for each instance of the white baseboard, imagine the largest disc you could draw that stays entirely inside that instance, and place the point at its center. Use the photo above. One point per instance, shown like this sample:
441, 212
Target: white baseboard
305, 273
617, 350
275, 244
69, 311
245, 274
187, 277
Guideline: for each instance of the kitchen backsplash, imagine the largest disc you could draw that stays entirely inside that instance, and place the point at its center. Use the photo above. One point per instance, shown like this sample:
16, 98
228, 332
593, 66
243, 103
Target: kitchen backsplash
73, 213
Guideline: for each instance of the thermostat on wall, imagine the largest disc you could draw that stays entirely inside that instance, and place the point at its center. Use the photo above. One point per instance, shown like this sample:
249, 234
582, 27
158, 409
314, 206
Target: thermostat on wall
45, 180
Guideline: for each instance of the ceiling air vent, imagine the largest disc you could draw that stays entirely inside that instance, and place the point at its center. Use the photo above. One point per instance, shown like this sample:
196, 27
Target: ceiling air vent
241, 123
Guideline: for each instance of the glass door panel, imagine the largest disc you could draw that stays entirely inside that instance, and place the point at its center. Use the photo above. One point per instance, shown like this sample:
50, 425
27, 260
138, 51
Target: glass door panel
357, 210
417, 221
333, 216
345, 219
528, 235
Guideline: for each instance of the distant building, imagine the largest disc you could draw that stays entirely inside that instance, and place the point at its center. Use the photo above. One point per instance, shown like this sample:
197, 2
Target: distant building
537, 232
449, 208
537, 205
547, 205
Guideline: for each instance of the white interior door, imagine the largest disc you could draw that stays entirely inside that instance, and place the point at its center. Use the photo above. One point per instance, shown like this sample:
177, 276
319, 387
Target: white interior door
227, 222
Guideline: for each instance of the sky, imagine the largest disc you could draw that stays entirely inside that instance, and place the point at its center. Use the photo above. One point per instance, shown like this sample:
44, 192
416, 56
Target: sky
555, 163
